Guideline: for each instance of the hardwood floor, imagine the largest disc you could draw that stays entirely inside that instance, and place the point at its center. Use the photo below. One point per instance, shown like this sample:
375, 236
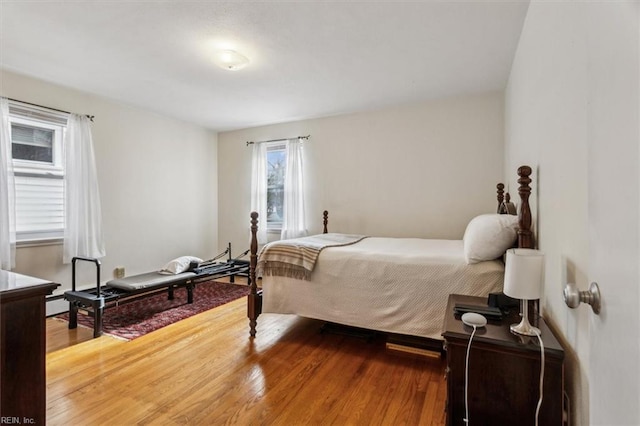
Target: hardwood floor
205, 370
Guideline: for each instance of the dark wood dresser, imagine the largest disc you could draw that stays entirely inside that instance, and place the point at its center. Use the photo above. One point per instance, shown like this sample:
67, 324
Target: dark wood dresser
504, 371
23, 348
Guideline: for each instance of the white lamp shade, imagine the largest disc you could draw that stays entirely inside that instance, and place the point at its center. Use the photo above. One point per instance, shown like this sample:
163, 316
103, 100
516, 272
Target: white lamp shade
523, 274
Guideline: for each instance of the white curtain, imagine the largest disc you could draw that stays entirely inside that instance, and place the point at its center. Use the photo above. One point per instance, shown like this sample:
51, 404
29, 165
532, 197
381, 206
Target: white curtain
83, 219
293, 222
259, 188
7, 192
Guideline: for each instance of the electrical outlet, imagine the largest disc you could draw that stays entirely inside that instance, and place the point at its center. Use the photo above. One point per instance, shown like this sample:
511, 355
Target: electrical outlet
118, 272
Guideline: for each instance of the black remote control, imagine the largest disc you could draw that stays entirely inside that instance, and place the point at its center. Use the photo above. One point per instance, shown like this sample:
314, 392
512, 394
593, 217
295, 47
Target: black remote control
487, 311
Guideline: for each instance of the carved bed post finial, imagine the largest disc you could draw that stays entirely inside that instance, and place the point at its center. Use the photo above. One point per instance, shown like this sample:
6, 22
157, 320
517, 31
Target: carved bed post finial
253, 302
525, 235
500, 187
501, 209
325, 219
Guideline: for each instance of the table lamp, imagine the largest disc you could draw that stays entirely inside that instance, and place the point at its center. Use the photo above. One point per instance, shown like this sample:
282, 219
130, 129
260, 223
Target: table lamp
523, 275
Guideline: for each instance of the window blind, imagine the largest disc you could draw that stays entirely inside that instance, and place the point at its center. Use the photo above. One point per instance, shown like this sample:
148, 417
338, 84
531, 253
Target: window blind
39, 207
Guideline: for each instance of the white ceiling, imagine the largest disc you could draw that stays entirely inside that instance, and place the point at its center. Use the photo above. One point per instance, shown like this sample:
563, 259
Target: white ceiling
308, 59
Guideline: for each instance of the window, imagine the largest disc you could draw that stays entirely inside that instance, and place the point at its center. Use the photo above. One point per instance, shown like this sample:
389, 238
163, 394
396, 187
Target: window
36, 147
276, 167
277, 188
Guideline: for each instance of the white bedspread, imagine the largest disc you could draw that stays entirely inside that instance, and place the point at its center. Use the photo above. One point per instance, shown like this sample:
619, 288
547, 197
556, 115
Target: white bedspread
397, 285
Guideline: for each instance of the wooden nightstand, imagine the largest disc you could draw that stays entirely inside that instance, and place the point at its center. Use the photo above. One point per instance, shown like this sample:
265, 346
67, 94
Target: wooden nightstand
504, 371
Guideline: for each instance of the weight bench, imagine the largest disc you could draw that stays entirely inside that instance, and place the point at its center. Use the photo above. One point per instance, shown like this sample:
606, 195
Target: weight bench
123, 290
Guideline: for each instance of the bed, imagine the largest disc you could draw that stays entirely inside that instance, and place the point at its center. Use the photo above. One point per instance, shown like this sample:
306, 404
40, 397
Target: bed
393, 285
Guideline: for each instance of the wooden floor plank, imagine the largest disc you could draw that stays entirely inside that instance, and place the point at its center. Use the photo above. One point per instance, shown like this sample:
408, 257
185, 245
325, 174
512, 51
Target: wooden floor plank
206, 370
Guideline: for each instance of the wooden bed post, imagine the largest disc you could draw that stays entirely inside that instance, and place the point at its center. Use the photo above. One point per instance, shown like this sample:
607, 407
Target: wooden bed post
254, 302
525, 235
325, 219
500, 187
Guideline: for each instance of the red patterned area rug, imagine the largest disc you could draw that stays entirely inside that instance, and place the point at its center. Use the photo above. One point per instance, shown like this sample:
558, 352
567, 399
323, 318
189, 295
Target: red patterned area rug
145, 315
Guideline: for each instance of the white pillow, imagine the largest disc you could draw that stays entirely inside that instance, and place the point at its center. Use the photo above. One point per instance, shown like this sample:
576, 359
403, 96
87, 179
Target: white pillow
488, 236
179, 265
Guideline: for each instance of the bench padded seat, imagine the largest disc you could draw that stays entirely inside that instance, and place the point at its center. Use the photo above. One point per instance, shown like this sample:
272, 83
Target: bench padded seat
149, 280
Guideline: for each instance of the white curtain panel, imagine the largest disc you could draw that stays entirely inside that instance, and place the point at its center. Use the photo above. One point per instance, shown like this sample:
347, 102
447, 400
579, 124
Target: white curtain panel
7, 192
293, 222
259, 189
83, 217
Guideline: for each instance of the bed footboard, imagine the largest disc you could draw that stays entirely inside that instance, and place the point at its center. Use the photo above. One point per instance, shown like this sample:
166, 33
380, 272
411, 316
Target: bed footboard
254, 299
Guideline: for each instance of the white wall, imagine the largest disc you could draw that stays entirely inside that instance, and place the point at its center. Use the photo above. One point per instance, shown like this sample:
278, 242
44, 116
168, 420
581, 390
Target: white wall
420, 170
571, 112
158, 185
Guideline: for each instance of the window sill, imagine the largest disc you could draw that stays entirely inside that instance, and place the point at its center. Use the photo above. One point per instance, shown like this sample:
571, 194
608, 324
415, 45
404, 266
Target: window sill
39, 242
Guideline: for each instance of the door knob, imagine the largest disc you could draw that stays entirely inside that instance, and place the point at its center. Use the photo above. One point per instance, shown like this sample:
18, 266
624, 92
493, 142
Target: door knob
573, 297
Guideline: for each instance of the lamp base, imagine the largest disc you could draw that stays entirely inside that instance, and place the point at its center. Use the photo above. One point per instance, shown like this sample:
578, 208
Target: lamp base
525, 328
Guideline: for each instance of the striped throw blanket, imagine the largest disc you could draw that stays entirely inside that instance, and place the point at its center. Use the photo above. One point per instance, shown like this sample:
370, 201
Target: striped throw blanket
297, 257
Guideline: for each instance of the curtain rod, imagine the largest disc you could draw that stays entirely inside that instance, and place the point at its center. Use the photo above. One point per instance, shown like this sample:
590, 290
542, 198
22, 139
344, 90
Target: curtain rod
90, 117
278, 140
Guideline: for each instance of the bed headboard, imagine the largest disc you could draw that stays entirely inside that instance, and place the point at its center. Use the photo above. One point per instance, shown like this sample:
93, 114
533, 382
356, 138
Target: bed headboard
525, 234
505, 206
500, 188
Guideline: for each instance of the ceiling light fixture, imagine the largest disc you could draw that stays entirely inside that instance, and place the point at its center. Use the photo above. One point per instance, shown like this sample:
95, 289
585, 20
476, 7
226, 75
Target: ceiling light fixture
230, 60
